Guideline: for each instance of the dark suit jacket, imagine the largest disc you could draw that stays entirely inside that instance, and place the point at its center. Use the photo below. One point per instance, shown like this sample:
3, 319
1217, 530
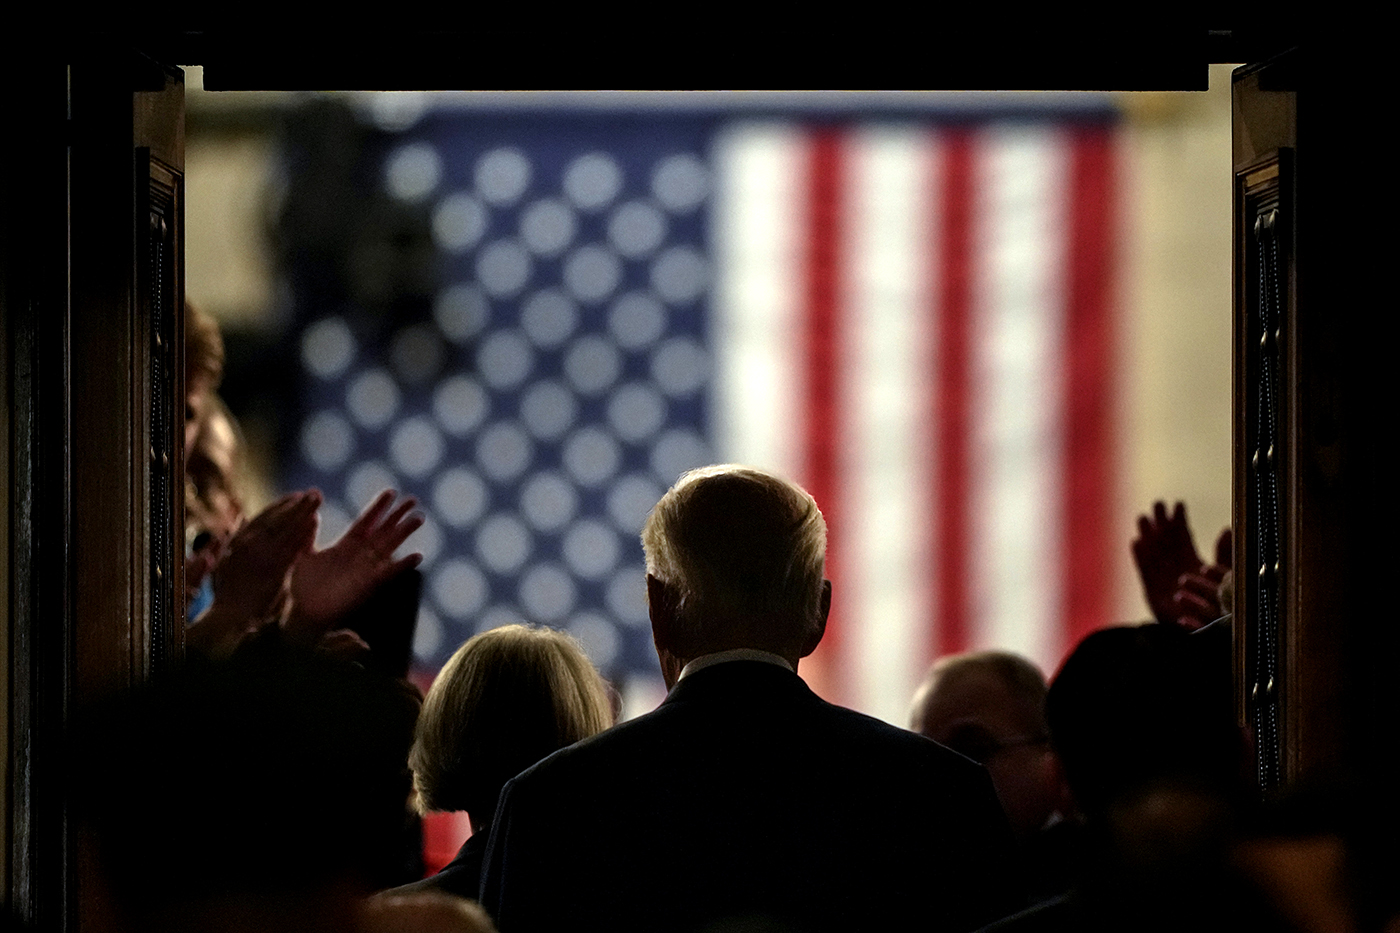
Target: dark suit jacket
461, 876
744, 795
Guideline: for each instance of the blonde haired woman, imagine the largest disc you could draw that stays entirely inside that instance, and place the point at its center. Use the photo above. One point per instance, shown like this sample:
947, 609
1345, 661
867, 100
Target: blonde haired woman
503, 701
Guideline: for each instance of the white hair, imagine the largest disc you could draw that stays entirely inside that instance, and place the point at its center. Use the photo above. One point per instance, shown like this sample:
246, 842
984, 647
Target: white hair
736, 542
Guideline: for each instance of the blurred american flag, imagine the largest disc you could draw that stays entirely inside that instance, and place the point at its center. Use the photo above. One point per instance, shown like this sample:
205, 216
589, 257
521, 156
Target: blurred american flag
909, 313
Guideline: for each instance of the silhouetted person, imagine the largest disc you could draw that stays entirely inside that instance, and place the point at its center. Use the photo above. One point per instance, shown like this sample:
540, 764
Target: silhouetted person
507, 698
422, 912
744, 798
264, 793
990, 705
1142, 721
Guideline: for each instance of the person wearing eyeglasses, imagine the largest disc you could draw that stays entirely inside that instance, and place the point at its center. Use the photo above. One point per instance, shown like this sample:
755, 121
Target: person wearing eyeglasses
990, 706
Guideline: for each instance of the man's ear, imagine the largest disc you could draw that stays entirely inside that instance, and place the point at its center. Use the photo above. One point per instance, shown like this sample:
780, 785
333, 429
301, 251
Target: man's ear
824, 610
661, 607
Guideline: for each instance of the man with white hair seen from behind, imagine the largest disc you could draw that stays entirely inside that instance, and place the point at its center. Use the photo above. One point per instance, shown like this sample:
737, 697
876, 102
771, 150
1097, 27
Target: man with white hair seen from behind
744, 800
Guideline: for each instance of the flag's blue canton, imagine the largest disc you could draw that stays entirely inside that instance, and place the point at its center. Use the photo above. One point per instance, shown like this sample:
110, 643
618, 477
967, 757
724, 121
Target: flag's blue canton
555, 391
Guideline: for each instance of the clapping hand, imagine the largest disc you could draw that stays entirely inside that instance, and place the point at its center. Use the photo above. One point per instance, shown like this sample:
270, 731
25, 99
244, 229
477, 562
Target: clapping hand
250, 577
327, 584
1197, 599
1164, 553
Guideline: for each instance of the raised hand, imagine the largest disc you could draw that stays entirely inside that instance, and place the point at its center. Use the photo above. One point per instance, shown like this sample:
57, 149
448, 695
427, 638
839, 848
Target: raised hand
250, 576
1164, 553
1198, 598
327, 584
1225, 549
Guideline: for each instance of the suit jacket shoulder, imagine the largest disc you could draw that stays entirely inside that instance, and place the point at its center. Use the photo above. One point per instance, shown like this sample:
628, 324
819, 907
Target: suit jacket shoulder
745, 795
460, 877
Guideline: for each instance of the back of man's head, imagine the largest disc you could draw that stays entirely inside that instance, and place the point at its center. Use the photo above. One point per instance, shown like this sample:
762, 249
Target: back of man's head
1138, 706
742, 553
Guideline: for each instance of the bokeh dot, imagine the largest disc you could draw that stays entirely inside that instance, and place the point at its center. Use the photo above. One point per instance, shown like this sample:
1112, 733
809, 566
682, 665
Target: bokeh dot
366, 481
459, 497
412, 172
461, 311
503, 544
427, 635
459, 404
591, 549
548, 227
497, 616
548, 501
680, 366
598, 638
372, 398
547, 593
327, 440
636, 320
416, 446
592, 365
636, 412
503, 267
626, 596
592, 181
630, 500
592, 456
328, 347
680, 275
636, 229
394, 111
676, 451
503, 451
549, 318
505, 359
427, 540
680, 182
548, 410
459, 222
502, 175
459, 588
592, 273
334, 521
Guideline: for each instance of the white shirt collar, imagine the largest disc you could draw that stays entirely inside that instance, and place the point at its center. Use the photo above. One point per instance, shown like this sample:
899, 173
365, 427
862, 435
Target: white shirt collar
733, 654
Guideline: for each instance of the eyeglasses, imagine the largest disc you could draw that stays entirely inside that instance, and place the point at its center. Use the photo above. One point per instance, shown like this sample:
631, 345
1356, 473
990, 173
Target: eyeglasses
977, 743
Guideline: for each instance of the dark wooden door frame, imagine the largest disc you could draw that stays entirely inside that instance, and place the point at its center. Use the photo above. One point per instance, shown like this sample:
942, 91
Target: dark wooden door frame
93, 279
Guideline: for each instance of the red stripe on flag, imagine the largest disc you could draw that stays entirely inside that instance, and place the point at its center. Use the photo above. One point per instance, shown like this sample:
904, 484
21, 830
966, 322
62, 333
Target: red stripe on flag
954, 426
822, 351
1089, 385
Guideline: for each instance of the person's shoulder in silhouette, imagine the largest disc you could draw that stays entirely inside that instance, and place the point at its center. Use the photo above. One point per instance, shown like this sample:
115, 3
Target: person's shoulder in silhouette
505, 699
744, 798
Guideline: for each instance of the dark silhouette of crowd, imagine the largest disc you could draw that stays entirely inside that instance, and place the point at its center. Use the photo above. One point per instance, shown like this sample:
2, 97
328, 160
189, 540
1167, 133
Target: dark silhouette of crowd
275, 781
266, 786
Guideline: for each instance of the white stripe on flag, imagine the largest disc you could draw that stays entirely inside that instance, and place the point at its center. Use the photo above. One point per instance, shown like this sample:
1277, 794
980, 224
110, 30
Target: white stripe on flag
887, 388
758, 386
1018, 404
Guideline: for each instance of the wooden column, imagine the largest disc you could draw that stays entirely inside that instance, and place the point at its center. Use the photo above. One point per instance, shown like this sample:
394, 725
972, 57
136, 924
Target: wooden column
1315, 503
94, 279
